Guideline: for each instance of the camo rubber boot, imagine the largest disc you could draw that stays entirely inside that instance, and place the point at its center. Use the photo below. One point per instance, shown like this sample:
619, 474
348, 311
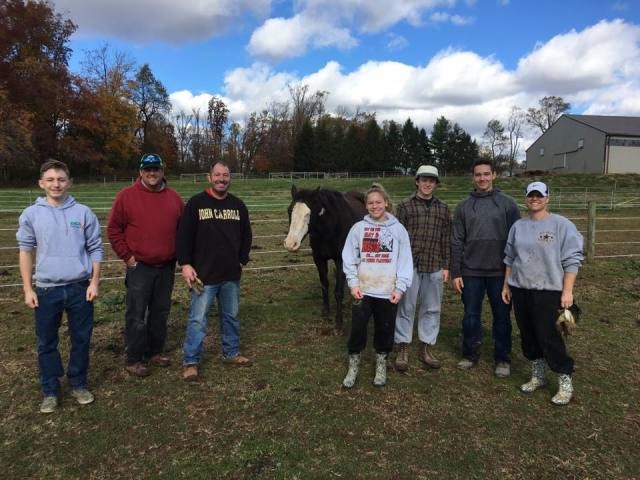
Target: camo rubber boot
381, 370
352, 372
565, 390
538, 376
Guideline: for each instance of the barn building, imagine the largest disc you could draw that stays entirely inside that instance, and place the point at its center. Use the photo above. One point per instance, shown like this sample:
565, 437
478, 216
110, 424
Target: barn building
588, 144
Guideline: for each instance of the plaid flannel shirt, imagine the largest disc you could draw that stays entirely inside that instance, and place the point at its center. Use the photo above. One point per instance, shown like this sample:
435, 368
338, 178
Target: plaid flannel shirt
429, 230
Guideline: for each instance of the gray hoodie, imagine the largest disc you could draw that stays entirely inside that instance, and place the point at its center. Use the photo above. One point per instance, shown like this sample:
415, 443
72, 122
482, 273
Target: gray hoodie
479, 233
67, 239
377, 257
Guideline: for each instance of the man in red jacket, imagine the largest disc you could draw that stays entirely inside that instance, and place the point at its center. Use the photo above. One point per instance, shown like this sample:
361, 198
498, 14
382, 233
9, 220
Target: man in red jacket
142, 231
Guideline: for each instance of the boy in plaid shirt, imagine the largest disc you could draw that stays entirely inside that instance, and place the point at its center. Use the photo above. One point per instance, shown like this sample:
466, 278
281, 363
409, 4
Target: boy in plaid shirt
428, 222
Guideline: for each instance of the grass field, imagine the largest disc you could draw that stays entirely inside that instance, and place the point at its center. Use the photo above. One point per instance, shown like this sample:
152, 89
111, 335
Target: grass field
288, 417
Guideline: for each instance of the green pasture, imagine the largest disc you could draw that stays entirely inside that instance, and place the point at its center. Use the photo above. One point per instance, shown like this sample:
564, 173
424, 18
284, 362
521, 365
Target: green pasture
288, 417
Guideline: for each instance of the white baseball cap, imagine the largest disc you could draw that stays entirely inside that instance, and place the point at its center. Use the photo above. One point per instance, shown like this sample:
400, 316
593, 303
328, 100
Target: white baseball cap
427, 171
539, 187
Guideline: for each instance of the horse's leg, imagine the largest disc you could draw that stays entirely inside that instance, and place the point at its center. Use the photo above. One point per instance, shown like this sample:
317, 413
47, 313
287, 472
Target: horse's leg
321, 265
339, 293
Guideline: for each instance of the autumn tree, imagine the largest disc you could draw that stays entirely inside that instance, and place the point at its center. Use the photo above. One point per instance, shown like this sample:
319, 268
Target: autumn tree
494, 139
34, 77
182, 123
513, 133
152, 100
217, 117
550, 109
100, 135
305, 106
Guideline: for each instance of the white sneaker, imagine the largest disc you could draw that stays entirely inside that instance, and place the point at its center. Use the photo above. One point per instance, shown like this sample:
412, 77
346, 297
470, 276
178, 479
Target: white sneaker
82, 396
49, 404
465, 364
503, 370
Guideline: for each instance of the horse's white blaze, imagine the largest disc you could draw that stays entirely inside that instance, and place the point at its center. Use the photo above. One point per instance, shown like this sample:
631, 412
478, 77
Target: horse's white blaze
299, 227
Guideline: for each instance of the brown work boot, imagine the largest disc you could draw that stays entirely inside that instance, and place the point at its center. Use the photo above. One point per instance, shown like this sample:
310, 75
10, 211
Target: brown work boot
159, 360
402, 357
190, 373
238, 361
428, 358
137, 370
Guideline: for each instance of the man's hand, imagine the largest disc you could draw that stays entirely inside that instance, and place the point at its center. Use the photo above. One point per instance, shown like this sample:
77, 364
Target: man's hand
31, 298
189, 274
132, 262
458, 284
445, 276
356, 293
92, 292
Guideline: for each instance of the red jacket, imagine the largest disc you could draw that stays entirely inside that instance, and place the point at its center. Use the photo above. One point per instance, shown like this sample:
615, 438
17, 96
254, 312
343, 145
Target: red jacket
143, 224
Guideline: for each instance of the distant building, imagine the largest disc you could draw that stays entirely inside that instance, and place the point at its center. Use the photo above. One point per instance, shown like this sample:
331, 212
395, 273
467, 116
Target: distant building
588, 144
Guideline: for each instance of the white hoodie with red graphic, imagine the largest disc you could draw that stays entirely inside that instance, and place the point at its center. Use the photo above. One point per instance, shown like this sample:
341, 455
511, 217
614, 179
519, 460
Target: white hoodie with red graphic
377, 257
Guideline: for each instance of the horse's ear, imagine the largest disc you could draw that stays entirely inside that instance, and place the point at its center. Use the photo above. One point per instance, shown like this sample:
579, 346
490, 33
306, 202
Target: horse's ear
294, 190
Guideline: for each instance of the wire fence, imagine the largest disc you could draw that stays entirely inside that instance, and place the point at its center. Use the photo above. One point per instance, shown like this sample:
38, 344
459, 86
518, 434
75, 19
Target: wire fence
613, 236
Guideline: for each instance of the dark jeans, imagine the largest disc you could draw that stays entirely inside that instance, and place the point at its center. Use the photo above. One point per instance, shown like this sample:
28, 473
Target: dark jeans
384, 322
536, 313
472, 297
52, 302
148, 294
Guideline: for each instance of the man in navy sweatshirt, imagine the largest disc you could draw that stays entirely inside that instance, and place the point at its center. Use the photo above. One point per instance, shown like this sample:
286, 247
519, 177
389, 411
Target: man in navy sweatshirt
66, 237
214, 239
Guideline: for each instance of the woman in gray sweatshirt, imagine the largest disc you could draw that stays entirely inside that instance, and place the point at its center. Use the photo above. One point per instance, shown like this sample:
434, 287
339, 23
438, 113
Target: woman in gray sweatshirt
542, 255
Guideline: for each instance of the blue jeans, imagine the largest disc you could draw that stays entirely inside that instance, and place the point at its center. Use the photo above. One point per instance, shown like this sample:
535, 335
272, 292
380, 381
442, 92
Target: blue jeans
472, 297
228, 299
52, 302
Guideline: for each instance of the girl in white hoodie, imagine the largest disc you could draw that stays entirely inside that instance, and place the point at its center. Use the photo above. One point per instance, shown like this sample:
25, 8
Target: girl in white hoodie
378, 265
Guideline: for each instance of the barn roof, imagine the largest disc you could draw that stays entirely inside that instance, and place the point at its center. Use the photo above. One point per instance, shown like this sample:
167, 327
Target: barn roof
611, 125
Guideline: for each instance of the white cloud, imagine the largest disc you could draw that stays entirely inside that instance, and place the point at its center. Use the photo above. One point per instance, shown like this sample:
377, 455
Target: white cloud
396, 42
323, 23
444, 17
577, 61
279, 38
160, 20
620, 6
597, 70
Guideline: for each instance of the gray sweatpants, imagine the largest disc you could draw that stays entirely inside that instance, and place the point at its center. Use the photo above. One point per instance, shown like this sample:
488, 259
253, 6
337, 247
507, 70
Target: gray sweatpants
426, 288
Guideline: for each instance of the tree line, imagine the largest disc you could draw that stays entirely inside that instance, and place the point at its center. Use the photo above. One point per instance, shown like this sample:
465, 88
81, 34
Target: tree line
100, 121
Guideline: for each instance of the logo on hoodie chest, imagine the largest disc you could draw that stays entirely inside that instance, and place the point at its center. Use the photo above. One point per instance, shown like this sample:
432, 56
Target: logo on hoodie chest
377, 244
76, 224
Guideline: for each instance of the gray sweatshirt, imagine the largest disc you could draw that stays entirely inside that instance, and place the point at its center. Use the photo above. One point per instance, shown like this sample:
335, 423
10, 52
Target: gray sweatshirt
479, 233
541, 251
67, 239
377, 257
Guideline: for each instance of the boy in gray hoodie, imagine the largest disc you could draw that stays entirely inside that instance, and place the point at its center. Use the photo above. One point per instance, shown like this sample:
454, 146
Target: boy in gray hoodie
66, 237
478, 237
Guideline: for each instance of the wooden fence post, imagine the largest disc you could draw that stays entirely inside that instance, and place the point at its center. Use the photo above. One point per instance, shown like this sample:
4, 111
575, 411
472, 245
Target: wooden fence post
591, 230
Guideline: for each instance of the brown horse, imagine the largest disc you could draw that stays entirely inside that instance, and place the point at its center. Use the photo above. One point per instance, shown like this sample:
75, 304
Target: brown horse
326, 216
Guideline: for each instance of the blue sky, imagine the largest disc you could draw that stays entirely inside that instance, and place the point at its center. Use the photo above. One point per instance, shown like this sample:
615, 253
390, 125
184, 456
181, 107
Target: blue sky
470, 60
